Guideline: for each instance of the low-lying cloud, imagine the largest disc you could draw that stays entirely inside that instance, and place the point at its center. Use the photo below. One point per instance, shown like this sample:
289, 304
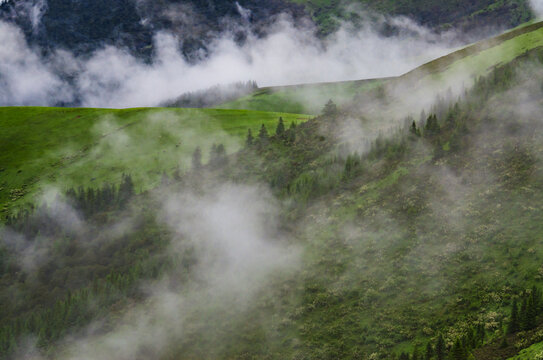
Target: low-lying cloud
537, 7
231, 231
290, 53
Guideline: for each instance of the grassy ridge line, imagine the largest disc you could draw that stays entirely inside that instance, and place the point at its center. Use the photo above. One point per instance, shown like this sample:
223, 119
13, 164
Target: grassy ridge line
84, 146
441, 64
476, 59
303, 98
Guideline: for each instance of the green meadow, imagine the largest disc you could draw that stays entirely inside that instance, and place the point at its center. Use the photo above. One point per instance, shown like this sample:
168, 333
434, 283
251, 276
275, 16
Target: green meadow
65, 147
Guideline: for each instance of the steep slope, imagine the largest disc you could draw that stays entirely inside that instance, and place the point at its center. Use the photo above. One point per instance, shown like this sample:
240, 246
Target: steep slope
365, 232
432, 230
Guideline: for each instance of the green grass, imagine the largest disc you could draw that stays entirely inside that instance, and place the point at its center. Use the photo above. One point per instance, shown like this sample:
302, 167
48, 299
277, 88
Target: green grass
67, 147
466, 63
478, 59
534, 352
305, 99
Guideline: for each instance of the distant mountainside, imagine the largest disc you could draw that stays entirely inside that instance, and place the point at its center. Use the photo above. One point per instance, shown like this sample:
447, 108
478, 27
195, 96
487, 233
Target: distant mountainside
84, 26
464, 14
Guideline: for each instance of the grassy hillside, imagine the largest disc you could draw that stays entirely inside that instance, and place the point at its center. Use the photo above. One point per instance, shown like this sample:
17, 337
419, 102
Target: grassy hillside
458, 68
304, 99
480, 58
72, 147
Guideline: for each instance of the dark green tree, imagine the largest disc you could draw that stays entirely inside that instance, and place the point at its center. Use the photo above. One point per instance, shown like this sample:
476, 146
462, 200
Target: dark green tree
429, 351
250, 139
263, 134
457, 351
513, 325
432, 126
413, 129
219, 156
197, 159
280, 130
330, 109
126, 190
440, 348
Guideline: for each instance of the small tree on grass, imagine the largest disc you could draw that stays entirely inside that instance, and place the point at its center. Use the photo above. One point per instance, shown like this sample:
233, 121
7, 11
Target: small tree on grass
280, 130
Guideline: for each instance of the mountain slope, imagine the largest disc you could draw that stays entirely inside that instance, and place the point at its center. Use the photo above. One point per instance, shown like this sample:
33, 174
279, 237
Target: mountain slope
433, 229
458, 14
86, 146
365, 232
83, 27
459, 67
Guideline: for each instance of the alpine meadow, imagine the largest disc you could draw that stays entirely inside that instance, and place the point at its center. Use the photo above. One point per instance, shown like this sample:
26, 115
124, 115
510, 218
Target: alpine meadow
278, 179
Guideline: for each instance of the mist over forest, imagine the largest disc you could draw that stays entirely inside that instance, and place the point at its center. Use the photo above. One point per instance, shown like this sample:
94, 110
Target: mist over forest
271, 179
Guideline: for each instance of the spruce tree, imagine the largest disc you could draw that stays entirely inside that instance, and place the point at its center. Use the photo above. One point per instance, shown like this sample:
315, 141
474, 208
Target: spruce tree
440, 348
531, 314
458, 351
513, 325
263, 133
280, 130
126, 190
413, 129
197, 159
330, 109
250, 138
432, 126
291, 133
429, 351
524, 314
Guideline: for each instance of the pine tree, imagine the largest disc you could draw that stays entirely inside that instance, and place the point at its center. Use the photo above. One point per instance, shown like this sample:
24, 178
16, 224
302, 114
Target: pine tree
531, 314
432, 126
217, 156
413, 129
126, 190
263, 134
197, 159
280, 130
291, 133
524, 314
330, 109
250, 138
440, 348
429, 351
503, 343
458, 351
513, 325
415, 355
536, 299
